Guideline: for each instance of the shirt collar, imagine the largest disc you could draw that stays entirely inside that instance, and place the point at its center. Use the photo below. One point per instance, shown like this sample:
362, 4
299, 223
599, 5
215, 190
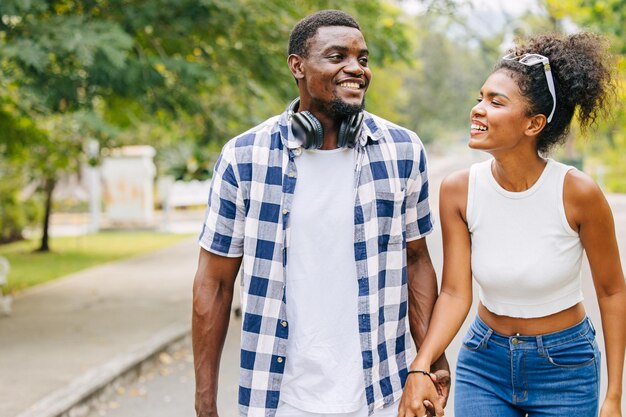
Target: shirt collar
370, 130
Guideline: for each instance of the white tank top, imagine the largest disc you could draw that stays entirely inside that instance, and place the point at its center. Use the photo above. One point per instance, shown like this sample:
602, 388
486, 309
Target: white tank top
323, 366
525, 256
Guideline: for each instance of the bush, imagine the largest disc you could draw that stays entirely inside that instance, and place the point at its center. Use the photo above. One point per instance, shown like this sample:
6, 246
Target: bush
15, 214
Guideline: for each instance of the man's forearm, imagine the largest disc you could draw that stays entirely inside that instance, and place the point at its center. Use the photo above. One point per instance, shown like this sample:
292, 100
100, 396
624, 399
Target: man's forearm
422, 290
211, 314
423, 293
212, 299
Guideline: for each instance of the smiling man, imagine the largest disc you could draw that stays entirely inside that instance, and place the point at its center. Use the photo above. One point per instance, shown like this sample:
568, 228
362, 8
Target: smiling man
325, 208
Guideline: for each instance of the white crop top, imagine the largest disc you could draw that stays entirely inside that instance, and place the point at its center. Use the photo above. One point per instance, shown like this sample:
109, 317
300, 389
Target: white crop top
525, 256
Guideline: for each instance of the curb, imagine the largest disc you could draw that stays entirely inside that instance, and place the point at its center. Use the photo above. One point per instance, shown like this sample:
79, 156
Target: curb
60, 403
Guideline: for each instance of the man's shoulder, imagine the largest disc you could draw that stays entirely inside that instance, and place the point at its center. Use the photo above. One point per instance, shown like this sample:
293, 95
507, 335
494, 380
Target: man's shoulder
391, 132
265, 134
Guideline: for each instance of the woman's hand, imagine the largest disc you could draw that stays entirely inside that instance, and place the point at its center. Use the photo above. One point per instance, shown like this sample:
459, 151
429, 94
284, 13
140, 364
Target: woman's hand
419, 391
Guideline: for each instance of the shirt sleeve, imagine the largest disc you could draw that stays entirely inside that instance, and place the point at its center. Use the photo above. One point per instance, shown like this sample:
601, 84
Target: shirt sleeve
223, 229
418, 215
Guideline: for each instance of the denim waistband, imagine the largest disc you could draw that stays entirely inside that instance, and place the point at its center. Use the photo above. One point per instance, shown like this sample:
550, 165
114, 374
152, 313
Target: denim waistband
533, 342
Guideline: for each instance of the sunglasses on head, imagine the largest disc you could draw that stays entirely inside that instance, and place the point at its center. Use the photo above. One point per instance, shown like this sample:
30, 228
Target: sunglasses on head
534, 59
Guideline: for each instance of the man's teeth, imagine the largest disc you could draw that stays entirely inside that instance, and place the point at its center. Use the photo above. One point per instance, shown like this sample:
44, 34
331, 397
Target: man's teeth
354, 86
477, 127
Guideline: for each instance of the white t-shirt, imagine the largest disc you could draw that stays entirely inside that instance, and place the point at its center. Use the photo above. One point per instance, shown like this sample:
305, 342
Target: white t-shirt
323, 366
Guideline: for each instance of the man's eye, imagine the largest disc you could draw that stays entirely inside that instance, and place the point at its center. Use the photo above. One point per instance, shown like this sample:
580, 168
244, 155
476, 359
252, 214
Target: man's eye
336, 57
479, 99
363, 61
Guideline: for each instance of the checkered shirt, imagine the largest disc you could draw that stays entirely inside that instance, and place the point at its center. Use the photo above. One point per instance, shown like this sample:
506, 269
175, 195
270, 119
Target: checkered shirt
248, 215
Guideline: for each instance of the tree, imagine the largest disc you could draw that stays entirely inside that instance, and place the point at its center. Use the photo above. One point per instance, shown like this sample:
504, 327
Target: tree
609, 142
217, 63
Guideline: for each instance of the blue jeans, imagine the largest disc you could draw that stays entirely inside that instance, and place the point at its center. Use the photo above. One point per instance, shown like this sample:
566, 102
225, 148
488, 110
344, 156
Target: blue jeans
556, 374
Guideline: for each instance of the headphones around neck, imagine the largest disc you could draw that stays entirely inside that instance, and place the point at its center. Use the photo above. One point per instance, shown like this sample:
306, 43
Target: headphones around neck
309, 130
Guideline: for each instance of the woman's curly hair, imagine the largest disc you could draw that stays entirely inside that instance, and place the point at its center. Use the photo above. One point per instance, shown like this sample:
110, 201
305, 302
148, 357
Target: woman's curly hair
583, 72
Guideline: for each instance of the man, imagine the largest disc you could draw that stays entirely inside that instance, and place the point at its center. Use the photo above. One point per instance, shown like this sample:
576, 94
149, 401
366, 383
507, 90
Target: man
326, 205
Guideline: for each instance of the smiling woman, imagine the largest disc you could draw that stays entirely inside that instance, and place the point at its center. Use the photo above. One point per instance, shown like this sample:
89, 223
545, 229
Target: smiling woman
519, 224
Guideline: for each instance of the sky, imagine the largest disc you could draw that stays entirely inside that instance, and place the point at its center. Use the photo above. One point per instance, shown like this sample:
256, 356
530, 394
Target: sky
515, 8
487, 17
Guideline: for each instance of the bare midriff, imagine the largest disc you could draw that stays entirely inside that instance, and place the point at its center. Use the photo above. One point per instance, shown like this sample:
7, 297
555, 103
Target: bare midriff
510, 326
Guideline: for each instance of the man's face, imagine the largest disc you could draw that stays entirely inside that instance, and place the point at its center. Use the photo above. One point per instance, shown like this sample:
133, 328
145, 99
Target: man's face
335, 74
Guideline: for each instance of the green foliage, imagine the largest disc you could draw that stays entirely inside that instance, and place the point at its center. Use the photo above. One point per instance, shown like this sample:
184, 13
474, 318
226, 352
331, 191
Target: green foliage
606, 147
435, 91
196, 72
15, 213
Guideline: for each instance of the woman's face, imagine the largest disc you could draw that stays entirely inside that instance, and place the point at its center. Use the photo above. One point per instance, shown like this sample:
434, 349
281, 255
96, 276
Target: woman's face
499, 119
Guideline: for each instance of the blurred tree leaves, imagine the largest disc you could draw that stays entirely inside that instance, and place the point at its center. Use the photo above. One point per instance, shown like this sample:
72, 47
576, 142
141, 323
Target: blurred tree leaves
605, 151
119, 70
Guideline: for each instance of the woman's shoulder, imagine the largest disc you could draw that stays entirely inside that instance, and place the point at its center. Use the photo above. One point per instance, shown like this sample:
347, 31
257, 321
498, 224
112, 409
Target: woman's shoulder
579, 187
456, 181
583, 199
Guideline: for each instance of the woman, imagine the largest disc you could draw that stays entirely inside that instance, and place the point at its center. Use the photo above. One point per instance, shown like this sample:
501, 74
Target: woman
519, 223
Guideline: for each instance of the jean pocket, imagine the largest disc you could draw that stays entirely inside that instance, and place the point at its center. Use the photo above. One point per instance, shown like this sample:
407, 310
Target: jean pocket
473, 341
576, 353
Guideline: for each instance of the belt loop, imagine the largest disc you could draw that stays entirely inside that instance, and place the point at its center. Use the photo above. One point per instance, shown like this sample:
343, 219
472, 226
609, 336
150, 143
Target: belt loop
487, 336
540, 349
593, 329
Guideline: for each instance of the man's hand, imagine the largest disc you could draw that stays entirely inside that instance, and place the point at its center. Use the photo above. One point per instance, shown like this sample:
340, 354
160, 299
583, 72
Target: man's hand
421, 391
441, 379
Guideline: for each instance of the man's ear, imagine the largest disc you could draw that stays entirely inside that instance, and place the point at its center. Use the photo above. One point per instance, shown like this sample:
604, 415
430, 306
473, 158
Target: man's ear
296, 66
536, 124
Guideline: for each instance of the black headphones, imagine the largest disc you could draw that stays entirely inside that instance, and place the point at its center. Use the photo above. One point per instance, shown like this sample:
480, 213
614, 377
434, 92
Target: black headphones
309, 130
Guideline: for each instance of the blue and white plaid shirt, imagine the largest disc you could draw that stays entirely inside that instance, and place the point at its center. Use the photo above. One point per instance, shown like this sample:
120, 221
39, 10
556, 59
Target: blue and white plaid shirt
248, 215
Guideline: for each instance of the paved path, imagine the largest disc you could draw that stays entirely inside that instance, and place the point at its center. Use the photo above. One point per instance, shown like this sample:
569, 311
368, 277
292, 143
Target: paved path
77, 330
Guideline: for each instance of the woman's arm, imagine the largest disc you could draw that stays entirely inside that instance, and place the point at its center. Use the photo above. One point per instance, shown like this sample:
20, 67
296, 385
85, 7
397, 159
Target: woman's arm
588, 212
454, 301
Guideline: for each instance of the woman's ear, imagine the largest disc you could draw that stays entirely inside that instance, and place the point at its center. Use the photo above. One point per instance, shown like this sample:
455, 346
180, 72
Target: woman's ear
536, 124
296, 66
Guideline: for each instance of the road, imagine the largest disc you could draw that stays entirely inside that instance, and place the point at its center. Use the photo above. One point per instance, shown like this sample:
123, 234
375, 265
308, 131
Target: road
165, 388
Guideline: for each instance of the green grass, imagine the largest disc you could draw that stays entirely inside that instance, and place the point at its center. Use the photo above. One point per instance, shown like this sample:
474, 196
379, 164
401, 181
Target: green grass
71, 254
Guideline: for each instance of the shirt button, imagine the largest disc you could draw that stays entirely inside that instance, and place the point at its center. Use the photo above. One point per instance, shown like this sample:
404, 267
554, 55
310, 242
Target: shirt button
283, 323
285, 211
279, 360
297, 151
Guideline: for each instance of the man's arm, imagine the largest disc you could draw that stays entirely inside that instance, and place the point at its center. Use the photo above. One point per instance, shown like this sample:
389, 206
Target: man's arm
422, 286
212, 298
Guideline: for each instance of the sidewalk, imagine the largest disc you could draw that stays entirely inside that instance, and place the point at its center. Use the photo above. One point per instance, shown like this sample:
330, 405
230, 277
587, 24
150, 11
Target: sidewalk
70, 337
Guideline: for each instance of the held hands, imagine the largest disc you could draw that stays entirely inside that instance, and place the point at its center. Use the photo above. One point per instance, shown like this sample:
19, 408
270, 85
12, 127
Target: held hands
425, 394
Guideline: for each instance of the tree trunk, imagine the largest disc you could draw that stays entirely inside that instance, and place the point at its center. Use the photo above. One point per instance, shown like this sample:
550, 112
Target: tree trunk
49, 185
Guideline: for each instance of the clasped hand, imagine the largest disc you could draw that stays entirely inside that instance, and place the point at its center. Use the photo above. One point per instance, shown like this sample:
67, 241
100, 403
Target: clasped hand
424, 396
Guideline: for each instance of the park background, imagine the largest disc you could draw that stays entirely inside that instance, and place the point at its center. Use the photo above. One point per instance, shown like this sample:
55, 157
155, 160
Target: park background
81, 80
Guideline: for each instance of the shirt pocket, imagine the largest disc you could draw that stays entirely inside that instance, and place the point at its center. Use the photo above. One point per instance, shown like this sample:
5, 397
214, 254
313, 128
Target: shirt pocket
388, 212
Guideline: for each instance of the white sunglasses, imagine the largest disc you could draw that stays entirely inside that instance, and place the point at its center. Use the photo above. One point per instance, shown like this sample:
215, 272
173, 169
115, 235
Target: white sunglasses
534, 59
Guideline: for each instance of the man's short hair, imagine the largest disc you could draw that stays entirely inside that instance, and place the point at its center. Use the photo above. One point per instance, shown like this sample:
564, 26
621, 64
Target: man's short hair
307, 28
